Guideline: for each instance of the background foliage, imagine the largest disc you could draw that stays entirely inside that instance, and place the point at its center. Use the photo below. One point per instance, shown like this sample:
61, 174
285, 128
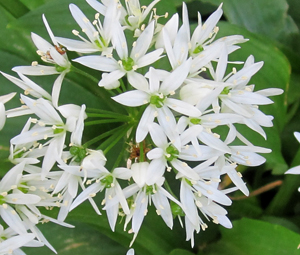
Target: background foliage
265, 223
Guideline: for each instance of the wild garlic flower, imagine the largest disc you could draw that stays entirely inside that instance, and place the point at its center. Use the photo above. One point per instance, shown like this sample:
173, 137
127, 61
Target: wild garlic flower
127, 64
99, 35
176, 121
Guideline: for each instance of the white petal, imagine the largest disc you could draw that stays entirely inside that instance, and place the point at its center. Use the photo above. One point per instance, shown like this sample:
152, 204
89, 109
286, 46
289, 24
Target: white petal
143, 42
149, 58
2, 115
155, 171
158, 135
176, 78
132, 98
98, 63
182, 107
139, 171
183, 168
111, 78
138, 81
78, 46
82, 21
146, 119
293, 170
36, 70
85, 194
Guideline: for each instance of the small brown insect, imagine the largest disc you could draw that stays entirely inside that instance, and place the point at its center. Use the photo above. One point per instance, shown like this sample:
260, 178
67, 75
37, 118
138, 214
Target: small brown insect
60, 50
135, 151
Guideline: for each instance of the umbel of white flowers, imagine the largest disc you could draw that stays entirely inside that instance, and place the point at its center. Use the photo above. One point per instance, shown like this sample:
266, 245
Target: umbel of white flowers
170, 124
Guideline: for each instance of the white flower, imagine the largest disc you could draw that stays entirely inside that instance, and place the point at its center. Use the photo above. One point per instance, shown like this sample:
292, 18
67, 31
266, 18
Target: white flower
11, 196
133, 17
99, 35
11, 244
29, 87
52, 54
106, 180
50, 125
127, 64
158, 96
145, 193
49, 53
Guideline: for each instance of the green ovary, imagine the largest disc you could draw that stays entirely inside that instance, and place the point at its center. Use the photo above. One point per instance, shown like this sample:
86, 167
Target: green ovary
128, 64
225, 91
107, 181
198, 49
79, 153
172, 153
157, 101
58, 130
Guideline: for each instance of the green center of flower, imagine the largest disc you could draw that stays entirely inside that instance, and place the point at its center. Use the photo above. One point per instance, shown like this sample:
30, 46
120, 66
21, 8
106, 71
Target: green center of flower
176, 209
60, 69
128, 64
78, 153
195, 121
172, 153
107, 181
58, 129
157, 100
2, 200
149, 190
225, 91
198, 49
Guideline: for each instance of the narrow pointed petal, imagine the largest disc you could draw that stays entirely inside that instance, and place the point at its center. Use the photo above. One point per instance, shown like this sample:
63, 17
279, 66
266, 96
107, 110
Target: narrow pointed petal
147, 118
98, 63
132, 98
182, 107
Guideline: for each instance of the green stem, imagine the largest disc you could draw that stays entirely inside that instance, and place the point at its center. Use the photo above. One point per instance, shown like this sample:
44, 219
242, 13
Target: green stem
142, 152
87, 75
109, 116
114, 139
98, 138
96, 122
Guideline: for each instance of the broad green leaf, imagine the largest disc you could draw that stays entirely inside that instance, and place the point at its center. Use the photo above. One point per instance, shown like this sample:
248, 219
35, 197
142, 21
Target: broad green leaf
288, 189
252, 237
14, 7
271, 18
33, 4
83, 239
150, 241
180, 252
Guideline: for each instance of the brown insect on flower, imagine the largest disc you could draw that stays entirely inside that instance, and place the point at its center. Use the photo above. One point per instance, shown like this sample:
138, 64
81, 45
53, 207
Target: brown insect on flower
135, 151
60, 50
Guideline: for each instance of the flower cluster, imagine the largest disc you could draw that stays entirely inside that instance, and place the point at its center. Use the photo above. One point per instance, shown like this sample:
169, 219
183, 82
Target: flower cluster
180, 124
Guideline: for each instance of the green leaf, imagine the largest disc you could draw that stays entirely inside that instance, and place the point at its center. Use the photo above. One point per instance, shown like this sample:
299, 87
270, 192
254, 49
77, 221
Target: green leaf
180, 252
287, 191
14, 7
252, 237
83, 239
33, 4
154, 237
271, 18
